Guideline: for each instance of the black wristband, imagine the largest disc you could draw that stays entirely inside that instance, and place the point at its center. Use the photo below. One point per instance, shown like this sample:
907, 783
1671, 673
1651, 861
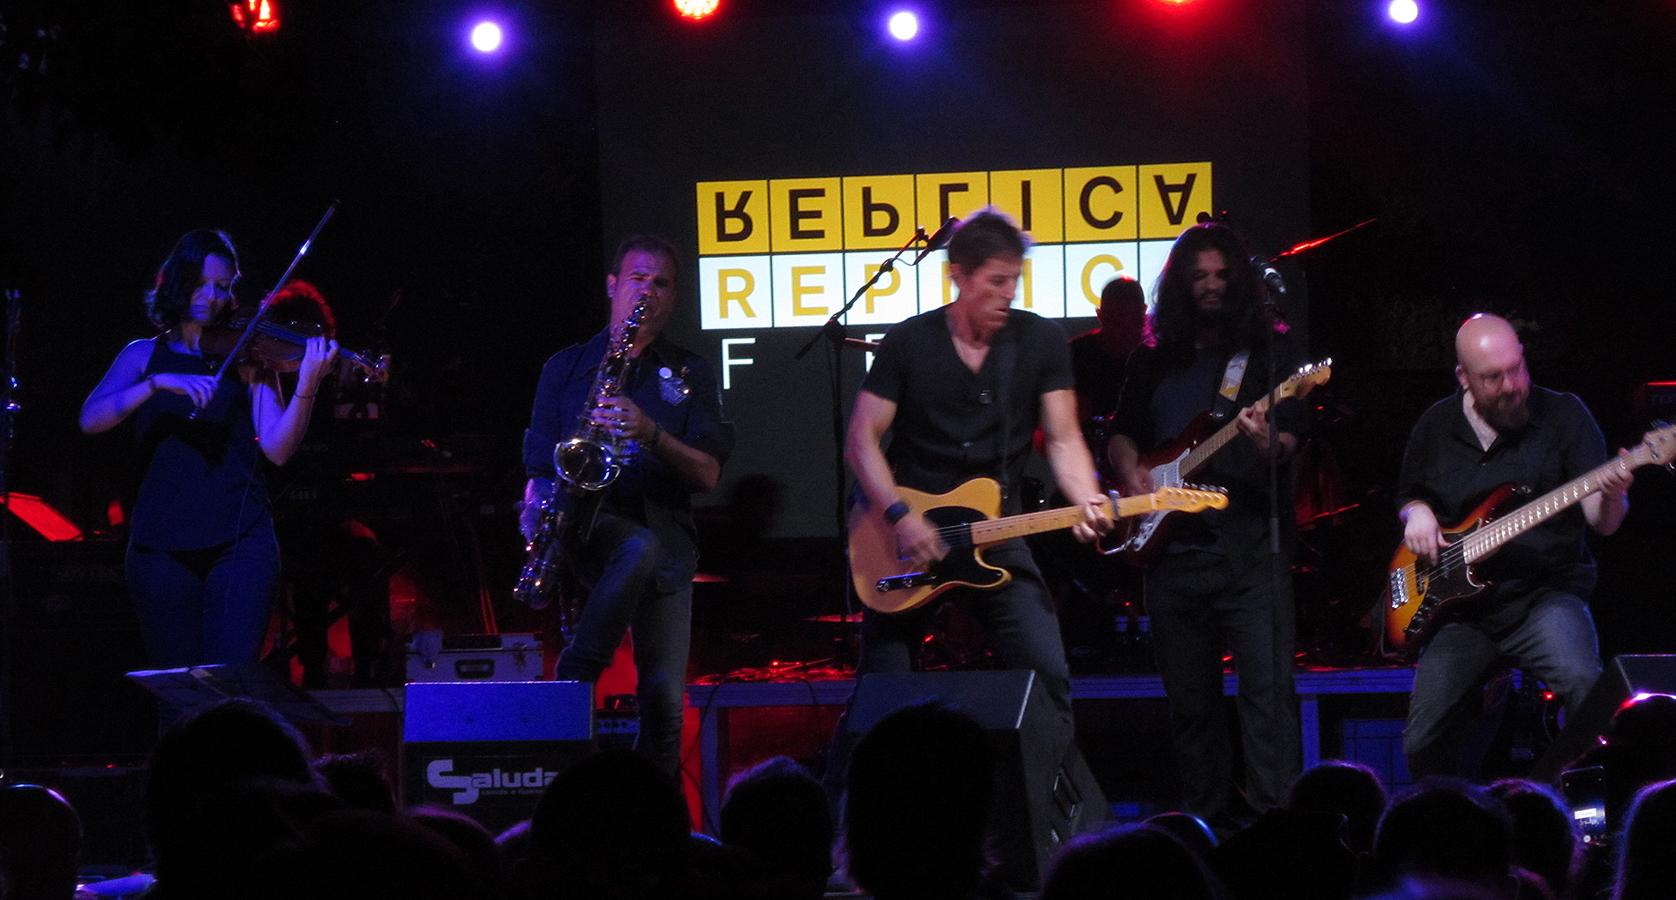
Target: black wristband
895, 511
657, 434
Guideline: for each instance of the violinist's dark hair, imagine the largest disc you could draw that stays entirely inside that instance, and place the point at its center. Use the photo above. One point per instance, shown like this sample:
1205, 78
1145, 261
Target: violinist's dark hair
170, 297
1175, 319
649, 243
986, 235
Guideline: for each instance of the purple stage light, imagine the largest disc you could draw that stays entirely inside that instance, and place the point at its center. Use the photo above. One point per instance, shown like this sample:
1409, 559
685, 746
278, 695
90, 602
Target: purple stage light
903, 25
1403, 12
486, 36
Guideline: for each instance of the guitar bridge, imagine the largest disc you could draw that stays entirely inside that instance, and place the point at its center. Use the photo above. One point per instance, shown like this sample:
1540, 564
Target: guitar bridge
905, 581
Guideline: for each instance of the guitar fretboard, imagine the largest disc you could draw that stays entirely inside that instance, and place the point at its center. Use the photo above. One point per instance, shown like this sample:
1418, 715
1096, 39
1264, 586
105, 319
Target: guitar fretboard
1488, 539
992, 531
1207, 448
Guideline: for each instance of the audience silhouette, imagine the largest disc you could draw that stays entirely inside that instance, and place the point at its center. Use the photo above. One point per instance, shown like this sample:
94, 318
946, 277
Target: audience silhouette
1647, 858
917, 807
40, 837
1135, 862
778, 812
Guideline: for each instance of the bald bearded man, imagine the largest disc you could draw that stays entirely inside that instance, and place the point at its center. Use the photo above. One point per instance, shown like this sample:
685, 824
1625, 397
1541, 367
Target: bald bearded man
1497, 429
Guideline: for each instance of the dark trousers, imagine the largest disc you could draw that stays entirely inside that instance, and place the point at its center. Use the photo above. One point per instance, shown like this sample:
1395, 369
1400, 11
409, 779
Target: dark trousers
1021, 621
1550, 634
1200, 603
207, 606
636, 587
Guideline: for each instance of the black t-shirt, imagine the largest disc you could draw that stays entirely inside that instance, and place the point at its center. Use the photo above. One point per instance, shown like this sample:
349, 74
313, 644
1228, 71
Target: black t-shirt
1162, 396
950, 420
1446, 467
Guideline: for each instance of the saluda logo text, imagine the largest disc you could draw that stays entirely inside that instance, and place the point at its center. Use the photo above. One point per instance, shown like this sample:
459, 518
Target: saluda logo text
467, 785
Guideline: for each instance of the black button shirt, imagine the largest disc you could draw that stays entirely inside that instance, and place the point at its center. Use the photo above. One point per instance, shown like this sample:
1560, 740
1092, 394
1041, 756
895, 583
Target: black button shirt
1446, 467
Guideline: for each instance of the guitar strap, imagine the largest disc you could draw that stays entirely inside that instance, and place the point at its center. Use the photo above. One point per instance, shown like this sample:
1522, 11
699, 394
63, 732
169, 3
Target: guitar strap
1004, 374
1232, 377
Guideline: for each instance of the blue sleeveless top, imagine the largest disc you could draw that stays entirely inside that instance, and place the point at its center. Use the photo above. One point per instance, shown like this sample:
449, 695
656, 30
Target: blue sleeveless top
203, 481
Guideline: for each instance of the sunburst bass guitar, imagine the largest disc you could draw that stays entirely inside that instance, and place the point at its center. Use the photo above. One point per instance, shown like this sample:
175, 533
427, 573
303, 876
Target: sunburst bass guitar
1418, 594
966, 520
1138, 543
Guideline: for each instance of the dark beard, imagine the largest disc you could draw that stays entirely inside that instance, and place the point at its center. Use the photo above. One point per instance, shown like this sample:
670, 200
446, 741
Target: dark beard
1508, 420
1217, 319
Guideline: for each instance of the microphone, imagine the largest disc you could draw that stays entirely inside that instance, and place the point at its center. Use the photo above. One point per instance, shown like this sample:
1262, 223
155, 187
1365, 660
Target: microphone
938, 240
1270, 276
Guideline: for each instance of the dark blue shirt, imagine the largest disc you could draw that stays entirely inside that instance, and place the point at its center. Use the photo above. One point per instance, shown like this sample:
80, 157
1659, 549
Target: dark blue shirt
673, 387
1162, 396
203, 477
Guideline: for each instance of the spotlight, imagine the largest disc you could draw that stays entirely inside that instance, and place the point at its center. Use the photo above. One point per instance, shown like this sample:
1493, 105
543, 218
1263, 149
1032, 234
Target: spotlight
903, 25
696, 10
1403, 12
256, 16
486, 36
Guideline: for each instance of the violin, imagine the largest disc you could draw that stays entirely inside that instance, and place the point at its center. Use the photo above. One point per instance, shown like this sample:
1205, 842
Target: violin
278, 342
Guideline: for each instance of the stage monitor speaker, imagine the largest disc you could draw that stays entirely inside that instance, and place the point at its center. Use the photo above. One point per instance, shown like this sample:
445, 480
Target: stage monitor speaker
1043, 796
489, 749
1625, 678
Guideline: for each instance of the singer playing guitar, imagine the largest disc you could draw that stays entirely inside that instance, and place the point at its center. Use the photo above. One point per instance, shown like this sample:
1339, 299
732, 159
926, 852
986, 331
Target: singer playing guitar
961, 389
1500, 429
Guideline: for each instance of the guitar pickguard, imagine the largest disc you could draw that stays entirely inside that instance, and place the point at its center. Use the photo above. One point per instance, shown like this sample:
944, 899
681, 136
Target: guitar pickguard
1142, 529
962, 565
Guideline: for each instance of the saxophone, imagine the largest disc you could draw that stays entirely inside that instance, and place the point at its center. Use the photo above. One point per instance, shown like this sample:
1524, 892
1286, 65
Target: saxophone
586, 465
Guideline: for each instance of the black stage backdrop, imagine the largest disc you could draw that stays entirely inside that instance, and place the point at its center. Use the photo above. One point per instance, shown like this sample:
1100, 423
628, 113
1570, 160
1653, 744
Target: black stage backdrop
1514, 159
769, 147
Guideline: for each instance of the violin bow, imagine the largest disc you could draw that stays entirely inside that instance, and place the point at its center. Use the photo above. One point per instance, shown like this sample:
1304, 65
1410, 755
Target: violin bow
262, 308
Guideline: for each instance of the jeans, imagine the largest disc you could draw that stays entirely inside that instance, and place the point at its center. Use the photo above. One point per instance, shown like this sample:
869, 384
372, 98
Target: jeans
206, 606
1198, 603
1549, 633
637, 587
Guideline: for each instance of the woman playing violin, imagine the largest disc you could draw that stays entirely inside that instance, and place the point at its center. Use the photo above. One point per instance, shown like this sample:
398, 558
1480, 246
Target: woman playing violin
202, 561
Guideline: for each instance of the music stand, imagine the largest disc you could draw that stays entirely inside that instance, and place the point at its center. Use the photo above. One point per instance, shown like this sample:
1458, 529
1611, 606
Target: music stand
188, 690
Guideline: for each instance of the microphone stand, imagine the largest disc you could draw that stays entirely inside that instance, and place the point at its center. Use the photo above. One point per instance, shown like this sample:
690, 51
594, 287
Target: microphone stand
833, 332
9, 409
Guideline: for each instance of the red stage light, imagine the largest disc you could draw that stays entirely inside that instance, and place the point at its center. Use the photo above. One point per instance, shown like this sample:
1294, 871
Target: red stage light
696, 10
256, 16
40, 515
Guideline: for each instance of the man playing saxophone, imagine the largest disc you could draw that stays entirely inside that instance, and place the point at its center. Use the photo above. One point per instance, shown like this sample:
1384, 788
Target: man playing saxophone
665, 426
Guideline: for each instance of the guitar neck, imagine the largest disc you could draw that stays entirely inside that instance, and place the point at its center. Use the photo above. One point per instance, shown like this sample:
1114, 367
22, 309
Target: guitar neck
993, 531
1488, 539
1207, 448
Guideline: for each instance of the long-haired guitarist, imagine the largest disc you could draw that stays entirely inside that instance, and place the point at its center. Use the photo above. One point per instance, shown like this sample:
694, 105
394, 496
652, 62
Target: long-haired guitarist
1500, 429
1213, 585
961, 389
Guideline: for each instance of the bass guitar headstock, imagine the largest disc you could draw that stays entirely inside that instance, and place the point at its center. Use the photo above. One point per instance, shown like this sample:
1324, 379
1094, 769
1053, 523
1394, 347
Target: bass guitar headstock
1659, 445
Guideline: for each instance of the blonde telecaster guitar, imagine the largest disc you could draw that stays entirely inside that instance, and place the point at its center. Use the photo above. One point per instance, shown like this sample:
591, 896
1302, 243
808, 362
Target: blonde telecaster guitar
966, 519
